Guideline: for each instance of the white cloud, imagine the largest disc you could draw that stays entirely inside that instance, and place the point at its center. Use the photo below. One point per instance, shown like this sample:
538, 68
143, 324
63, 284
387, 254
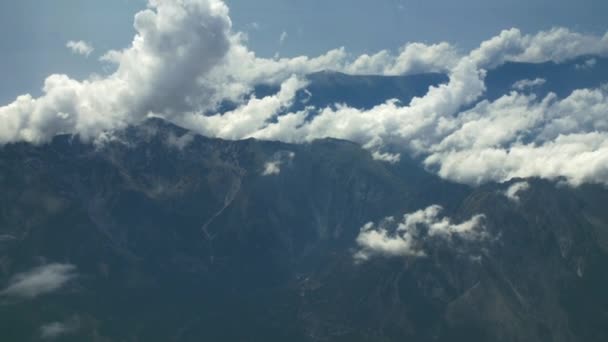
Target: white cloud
517, 135
180, 142
557, 45
244, 121
283, 37
520, 136
273, 167
588, 64
528, 84
159, 72
54, 330
80, 47
40, 280
407, 237
390, 158
515, 189
413, 58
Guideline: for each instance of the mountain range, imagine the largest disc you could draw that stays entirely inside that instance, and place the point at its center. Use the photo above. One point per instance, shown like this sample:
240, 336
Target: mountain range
160, 234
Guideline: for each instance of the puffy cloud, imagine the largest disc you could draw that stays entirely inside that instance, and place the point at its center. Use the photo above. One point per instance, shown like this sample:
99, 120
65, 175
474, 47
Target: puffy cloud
560, 44
80, 47
177, 42
40, 280
579, 158
517, 135
413, 58
386, 123
273, 167
515, 189
244, 121
557, 45
242, 68
521, 136
528, 84
408, 237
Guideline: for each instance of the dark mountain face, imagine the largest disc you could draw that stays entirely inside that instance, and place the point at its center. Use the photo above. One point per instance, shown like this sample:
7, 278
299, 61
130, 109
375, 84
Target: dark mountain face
172, 236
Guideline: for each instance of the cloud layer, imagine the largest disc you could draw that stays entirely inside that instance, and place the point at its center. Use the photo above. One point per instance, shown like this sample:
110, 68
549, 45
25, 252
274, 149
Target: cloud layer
408, 237
40, 280
185, 60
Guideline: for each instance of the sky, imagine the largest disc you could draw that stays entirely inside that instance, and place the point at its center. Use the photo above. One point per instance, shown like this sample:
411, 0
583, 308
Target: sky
34, 33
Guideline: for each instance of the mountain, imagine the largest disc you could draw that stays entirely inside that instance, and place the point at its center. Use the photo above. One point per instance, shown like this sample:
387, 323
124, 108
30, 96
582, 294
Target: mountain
327, 88
160, 234
195, 242
559, 78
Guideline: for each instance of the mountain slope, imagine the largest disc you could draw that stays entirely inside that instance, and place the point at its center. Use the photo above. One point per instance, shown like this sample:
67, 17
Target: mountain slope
179, 237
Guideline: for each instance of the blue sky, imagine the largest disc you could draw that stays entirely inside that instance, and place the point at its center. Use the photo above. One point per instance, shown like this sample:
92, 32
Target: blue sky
33, 33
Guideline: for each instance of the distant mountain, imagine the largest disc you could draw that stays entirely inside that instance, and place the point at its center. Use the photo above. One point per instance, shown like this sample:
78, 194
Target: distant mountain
177, 237
328, 88
559, 78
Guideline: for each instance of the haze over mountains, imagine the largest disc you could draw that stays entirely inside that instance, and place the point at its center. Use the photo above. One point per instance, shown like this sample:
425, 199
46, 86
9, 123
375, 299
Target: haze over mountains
199, 193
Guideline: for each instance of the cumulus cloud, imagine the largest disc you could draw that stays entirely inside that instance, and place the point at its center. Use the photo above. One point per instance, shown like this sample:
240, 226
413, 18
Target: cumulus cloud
408, 237
528, 84
80, 47
247, 119
557, 45
515, 189
273, 166
386, 123
413, 58
522, 136
517, 135
54, 330
40, 280
177, 42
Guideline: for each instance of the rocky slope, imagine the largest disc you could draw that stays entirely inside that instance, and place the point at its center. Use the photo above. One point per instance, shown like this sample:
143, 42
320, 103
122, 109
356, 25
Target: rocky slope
179, 237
